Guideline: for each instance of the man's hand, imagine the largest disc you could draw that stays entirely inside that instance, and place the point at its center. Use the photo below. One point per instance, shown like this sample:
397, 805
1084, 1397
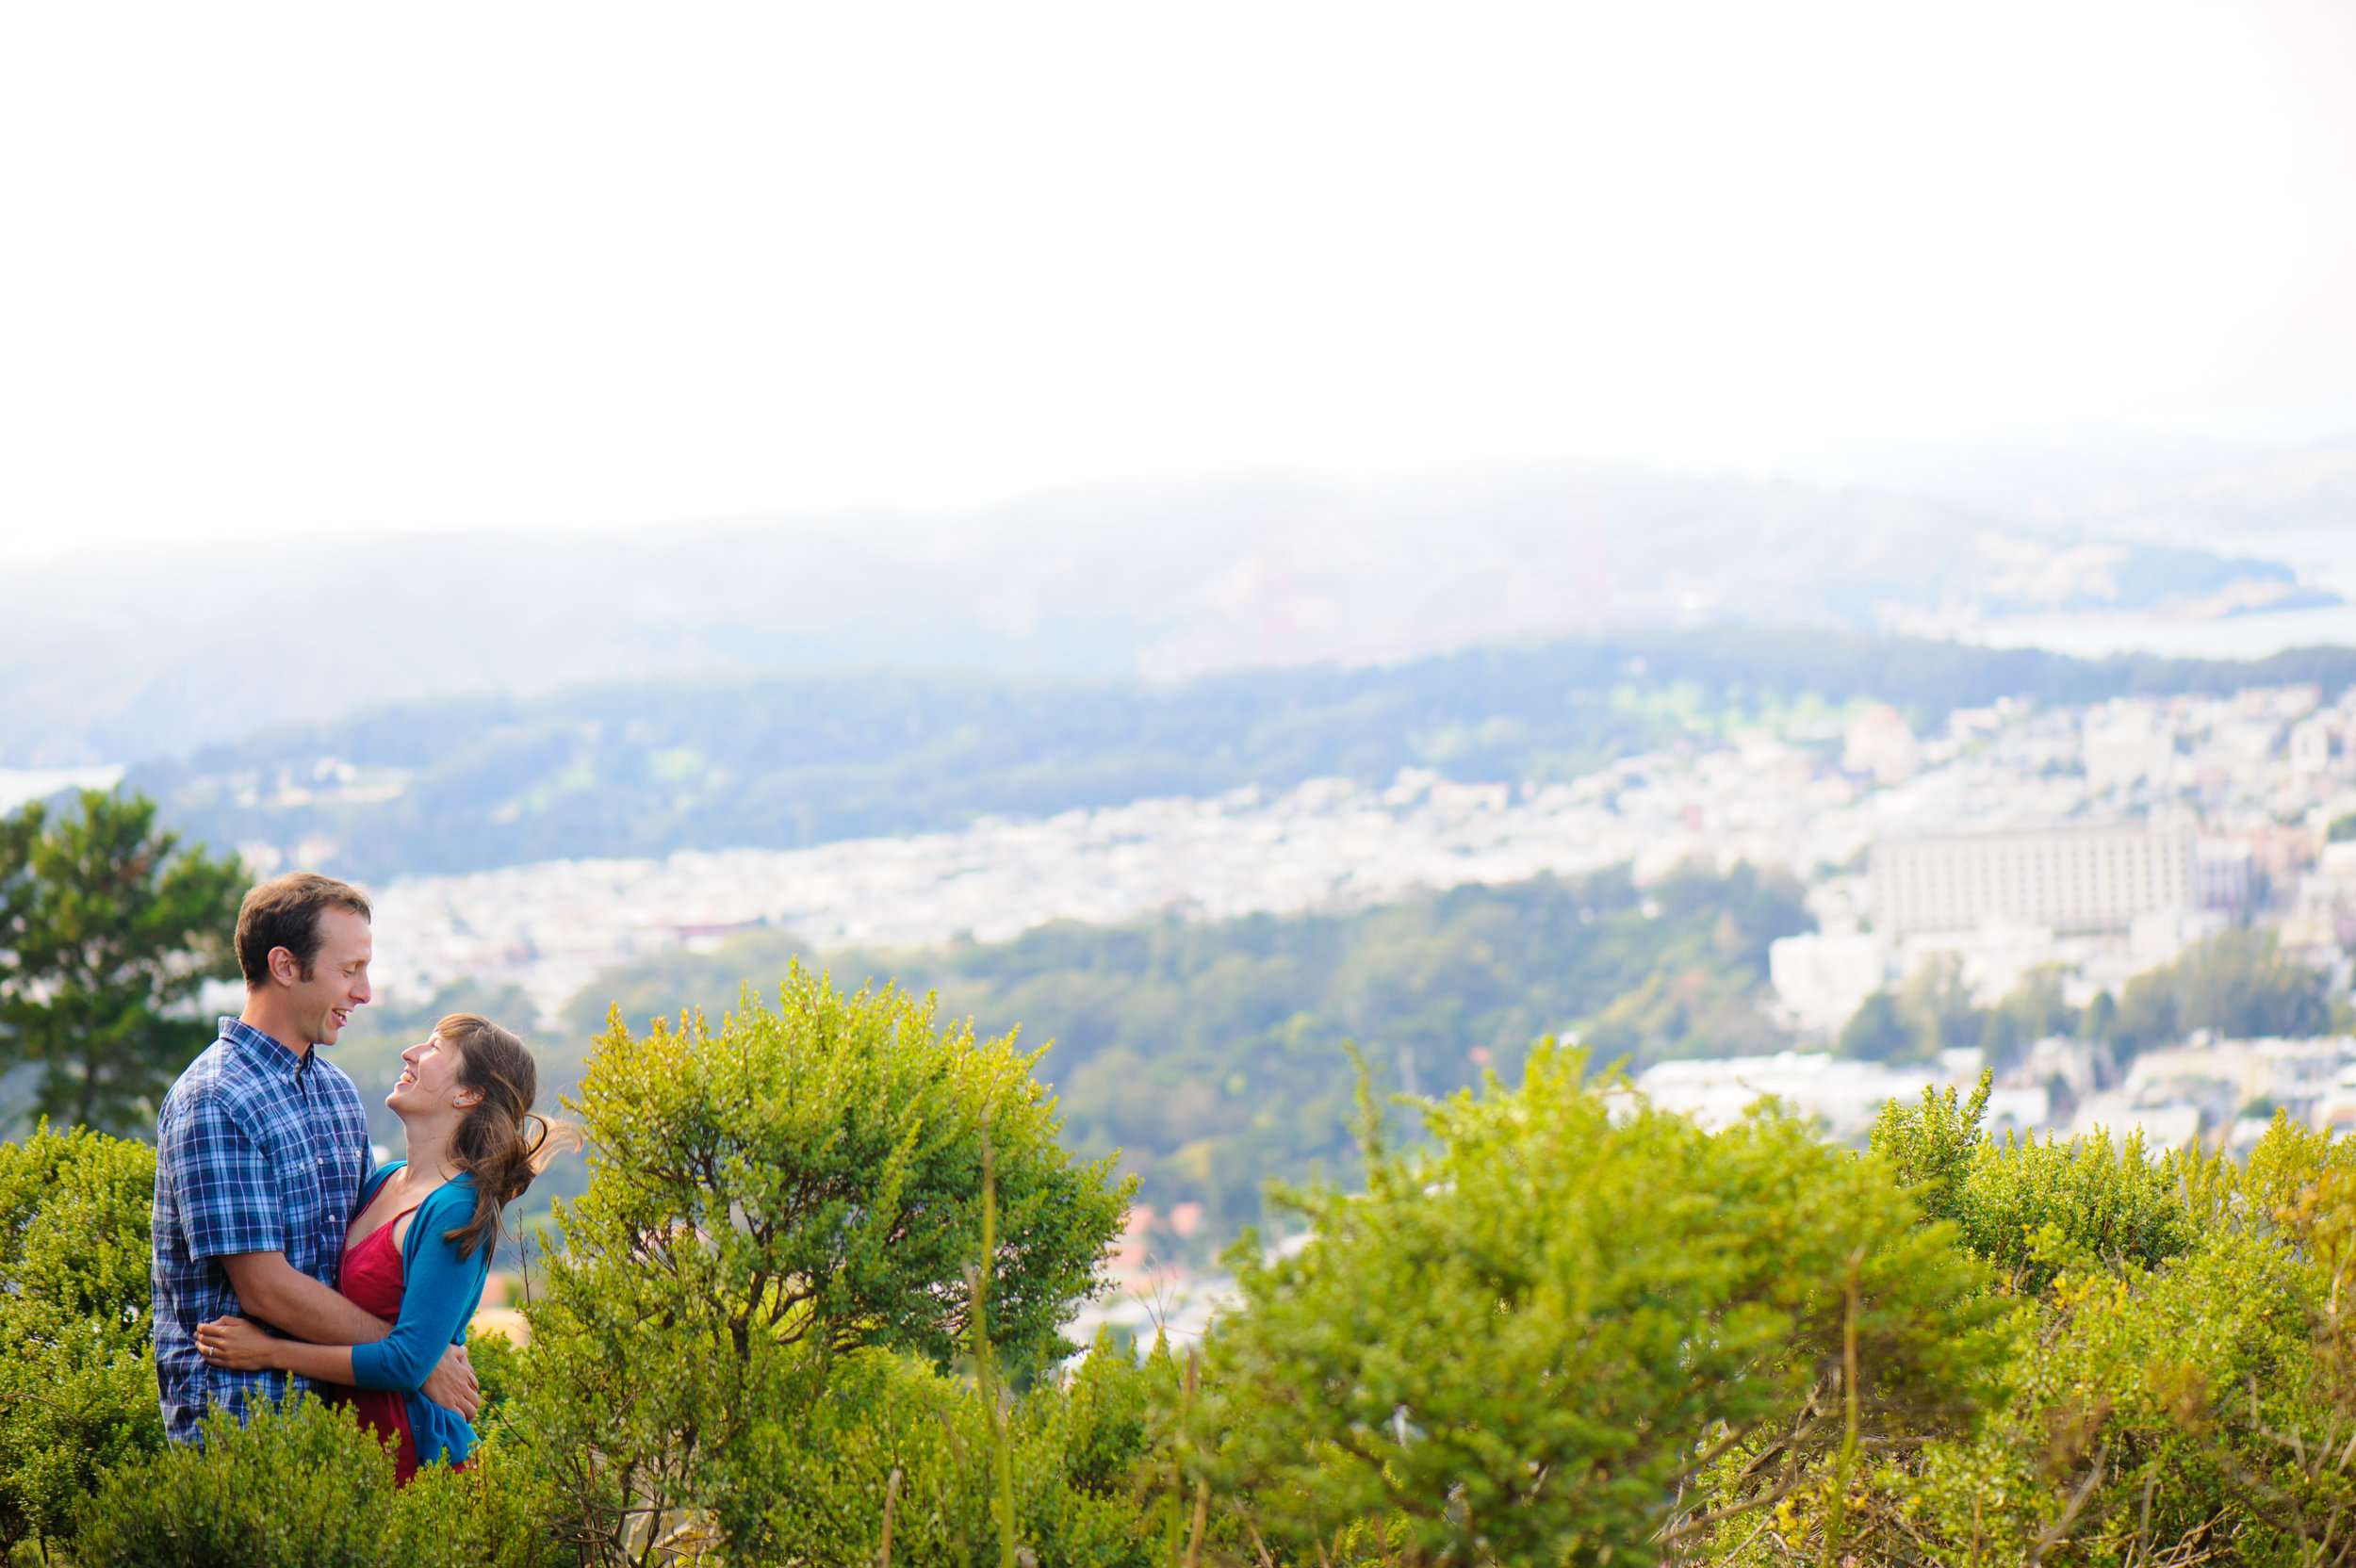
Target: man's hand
451, 1383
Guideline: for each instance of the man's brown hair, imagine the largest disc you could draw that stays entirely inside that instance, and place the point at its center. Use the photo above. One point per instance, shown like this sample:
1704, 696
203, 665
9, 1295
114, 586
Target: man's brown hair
285, 912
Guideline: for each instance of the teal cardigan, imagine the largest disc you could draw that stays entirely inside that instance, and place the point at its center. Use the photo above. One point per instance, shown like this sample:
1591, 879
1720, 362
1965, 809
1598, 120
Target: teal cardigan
438, 1296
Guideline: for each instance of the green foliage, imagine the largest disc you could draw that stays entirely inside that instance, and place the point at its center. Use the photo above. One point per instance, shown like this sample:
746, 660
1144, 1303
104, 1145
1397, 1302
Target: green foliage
1567, 1329
1878, 1032
2127, 1416
77, 1387
303, 1489
1210, 1056
2034, 1009
1525, 1346
1930, 1147
765, 1199
499, 1367
1070, 1451
498, 1513
2031, 1208
2178, 1385
106, 925
1935, 1012
307, 1487
2236, 983
1939, 1002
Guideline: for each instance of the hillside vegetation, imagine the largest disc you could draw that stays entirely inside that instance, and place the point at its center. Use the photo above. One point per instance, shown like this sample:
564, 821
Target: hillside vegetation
781, 761
807, 1312
1211, 1057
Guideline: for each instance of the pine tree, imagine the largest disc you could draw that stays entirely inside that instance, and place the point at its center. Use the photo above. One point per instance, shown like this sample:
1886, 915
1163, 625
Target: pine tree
107, 930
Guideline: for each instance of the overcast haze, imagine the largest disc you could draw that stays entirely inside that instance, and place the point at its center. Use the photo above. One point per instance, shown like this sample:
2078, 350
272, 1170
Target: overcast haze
300, 268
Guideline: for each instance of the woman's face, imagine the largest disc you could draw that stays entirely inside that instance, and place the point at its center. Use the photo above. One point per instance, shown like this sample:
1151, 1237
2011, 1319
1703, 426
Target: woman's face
429, 1080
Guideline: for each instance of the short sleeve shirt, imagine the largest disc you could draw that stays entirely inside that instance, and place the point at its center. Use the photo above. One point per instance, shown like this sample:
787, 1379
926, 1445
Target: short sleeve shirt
257, 1151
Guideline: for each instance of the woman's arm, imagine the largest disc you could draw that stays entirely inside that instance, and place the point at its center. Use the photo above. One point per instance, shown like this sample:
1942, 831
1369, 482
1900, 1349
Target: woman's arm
243, 1346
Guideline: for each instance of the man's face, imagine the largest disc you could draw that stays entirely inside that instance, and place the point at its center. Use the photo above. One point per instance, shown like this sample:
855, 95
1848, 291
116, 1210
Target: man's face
339, 978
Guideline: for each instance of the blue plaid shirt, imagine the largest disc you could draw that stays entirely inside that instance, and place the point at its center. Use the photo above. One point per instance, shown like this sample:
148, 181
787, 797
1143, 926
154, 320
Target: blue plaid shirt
255, 1151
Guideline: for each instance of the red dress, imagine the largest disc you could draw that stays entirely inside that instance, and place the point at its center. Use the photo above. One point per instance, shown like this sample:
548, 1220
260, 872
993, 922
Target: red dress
371, 1281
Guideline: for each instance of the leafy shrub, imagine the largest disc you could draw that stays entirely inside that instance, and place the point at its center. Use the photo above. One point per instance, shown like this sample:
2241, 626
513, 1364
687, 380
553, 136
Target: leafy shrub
1513, 1350
2180, 1382
499, 1367
766, 1198
1073, 1447
301, 1488
2029, 1207
307, 1487
2137, 1401
498, 1513
77, 1384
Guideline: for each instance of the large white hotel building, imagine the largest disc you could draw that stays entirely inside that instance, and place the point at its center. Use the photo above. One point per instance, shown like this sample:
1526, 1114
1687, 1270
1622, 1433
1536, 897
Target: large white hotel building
2085, 879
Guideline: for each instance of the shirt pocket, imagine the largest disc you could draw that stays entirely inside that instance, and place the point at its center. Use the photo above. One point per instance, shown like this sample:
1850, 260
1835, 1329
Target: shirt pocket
313, 1238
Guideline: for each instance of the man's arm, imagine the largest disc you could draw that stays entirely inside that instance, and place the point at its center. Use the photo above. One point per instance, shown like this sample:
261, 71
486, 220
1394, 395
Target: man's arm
273, 1290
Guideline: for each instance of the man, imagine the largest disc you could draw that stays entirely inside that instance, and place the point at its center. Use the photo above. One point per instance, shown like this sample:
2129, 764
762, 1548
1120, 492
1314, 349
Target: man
260, 1150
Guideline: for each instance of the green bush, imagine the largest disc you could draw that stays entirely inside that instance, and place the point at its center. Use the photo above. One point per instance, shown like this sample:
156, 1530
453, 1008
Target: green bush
499, 1367
2181, 1380
2029, 1207
1072, 1448
77, 1383
302, 1488
499, 1511
765, 1199
2137, 1400
307, 1487
1517, 1347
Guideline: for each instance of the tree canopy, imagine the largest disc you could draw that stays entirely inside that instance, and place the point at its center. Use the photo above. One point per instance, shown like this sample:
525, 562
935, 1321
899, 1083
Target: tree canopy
108, 928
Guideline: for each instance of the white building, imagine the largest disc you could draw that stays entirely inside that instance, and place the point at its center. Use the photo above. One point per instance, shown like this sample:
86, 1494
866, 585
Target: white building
2082, 879
2127, 744
2222, 872
2292, 1074
1880, 741
2311, 746
1990, 960
1821, 979
2164, 1127
1844, 1095
2158, 935
2325, 915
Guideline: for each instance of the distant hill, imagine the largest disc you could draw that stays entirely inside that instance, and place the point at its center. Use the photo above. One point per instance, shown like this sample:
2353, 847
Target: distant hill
784, 759
108, 660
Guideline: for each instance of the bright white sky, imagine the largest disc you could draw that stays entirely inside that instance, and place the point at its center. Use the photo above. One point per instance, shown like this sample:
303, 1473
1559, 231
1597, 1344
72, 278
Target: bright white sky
282, 268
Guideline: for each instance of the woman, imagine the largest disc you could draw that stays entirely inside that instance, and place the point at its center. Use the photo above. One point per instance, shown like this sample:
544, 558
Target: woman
420, 1248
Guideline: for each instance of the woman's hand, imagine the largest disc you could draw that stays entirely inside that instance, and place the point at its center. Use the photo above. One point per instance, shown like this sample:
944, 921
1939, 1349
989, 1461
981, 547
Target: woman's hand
235, 1345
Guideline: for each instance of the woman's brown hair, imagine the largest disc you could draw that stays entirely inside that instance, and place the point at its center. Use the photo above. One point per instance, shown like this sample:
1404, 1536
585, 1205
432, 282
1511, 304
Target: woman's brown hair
502, 1143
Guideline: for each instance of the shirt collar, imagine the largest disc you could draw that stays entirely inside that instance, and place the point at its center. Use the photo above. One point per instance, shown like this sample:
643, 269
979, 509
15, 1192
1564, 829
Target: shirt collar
264, 1051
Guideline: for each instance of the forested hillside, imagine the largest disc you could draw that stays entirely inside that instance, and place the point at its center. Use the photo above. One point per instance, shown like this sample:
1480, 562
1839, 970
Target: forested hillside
780, 760
1212, 1055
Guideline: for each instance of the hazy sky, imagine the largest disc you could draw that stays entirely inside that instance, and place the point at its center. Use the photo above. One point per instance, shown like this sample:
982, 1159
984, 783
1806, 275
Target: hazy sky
270, 268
